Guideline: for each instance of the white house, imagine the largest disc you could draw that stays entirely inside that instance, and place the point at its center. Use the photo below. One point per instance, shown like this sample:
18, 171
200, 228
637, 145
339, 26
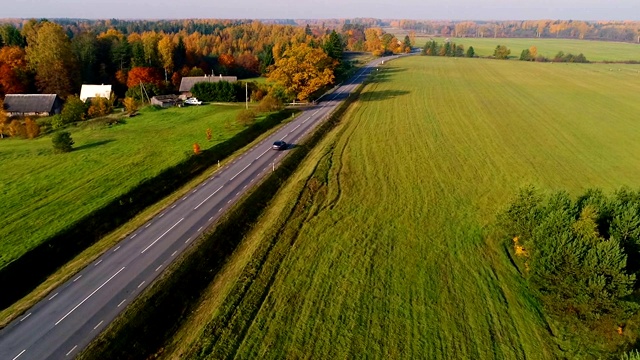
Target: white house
92, 91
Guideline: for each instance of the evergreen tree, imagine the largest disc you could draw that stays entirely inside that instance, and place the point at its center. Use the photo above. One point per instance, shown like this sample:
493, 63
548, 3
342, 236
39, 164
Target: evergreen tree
471, 52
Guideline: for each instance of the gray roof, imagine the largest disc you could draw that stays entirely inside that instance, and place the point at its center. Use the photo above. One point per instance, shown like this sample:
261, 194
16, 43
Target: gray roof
166, 98
26, 103
187, 82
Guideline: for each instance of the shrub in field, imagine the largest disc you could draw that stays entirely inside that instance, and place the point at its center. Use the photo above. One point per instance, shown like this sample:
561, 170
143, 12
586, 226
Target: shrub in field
100, 107
74, 110
196, 148
270, 103
62, 142
246, 117
131, 105
17, 129
501, 52
32, 129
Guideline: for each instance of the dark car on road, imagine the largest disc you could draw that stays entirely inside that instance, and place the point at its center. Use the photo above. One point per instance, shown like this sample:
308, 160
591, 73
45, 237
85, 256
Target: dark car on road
280, 145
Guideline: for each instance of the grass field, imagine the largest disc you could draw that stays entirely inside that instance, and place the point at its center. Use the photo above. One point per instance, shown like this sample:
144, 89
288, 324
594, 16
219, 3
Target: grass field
43, 192
593, 50
380, 246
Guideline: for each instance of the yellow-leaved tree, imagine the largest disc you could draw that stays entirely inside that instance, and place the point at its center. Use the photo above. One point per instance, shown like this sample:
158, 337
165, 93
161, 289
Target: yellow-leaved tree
303, 70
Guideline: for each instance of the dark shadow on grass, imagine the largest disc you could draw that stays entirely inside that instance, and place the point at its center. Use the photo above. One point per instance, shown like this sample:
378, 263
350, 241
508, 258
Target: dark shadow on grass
93, 144
382, 95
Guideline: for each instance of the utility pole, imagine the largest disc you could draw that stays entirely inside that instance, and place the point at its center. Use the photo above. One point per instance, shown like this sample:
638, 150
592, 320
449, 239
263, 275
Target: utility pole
246, 95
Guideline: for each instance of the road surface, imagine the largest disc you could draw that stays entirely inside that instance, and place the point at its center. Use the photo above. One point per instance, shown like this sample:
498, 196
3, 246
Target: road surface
63, 323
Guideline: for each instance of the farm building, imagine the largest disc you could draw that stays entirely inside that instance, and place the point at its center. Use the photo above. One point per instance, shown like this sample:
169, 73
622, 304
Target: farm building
165, 100
187, 82
92, 91
32, 104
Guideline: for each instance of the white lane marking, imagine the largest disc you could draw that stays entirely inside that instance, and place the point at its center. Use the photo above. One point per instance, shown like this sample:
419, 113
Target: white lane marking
184, 198
160, 237
211, 219
236, 175
78, 278
295, 128
134, 235
158, 268
116, 249
219, 210
54, 295
98, 263
174, 253
200, 229
208, 197
244, 187
229, 202
17, 356
70, 351
25, 318
122, 302
142, 283
146, 226
161, 215
262, 154
174, 205
194, 191
100, 323
187, 241
315, 112
238, 193
90, 295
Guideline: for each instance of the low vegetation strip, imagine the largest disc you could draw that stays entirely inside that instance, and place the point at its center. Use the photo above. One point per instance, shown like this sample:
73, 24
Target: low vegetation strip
99, 213
598, 51
148, 323
394, 257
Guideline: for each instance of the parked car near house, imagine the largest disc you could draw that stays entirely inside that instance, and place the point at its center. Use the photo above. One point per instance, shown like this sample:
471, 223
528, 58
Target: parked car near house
192, 101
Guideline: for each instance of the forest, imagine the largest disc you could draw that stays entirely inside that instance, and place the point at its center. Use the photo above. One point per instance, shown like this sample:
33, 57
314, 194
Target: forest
57, 56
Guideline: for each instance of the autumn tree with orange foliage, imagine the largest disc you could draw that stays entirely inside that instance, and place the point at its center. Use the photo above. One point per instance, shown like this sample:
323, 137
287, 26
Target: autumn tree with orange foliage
145, 75
303, 70
32, 129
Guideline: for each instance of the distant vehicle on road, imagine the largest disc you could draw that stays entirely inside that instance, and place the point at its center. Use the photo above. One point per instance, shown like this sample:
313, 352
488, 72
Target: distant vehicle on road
280, 145
192, 101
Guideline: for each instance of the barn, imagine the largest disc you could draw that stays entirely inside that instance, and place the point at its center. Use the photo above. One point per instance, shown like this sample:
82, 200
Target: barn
32, 104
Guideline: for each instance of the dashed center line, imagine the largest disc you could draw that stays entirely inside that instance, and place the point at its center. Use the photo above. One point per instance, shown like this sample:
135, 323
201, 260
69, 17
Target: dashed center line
90, 295
100, 323
158, 268
116, 249
174, 253
70, 351
236, 175
78, 278
160, 237
121, 302
54, 295
98, 263
25, 318
208, 197
142, 283
17, 356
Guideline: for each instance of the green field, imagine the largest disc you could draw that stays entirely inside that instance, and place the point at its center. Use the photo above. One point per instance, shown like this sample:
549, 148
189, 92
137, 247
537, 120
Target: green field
43, 192
380, 246
593, 50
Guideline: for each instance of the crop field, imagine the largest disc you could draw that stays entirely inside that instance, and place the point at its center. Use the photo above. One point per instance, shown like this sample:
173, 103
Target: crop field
380, 246
43, 192
594, 50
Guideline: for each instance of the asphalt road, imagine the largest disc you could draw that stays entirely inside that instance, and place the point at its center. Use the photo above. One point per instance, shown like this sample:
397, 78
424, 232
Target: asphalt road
63, 323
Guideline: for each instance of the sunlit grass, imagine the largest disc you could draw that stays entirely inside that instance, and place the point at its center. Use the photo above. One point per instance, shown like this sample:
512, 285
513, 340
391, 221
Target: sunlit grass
43, 192
387, 253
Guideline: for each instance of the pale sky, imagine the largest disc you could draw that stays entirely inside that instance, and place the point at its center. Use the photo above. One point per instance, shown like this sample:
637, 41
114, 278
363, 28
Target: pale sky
322, 9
